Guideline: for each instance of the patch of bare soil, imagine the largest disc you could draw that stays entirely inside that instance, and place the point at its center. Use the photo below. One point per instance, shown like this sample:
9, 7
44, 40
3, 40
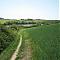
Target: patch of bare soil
27, 50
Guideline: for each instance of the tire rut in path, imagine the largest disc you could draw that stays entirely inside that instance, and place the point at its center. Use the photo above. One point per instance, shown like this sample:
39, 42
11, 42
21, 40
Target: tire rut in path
27, 51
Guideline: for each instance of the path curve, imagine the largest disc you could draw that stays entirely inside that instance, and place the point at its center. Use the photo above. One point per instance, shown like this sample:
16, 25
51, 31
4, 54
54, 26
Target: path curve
17, 50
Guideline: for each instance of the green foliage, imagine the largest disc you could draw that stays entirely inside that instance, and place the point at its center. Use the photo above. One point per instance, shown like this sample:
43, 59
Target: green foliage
5, 39
45, 42
45, 39
13, 40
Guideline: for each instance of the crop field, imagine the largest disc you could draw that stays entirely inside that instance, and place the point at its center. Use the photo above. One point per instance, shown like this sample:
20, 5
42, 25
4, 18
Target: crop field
43, 43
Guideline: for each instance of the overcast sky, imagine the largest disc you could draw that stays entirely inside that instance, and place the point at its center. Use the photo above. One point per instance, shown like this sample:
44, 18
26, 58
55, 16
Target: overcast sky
43, 9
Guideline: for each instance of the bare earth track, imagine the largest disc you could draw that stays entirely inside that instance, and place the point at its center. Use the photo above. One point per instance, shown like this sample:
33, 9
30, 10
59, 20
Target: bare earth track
17, 50
27, 51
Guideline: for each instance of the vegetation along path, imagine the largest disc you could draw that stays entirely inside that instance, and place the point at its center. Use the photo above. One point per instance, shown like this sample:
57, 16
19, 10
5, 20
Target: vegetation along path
16, 51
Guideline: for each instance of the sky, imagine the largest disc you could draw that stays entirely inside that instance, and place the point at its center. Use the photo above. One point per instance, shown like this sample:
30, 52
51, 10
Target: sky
35, 9
59, 9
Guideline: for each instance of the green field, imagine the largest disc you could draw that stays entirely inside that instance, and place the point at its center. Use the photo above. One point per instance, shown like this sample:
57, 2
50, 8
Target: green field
39, 42
45, 42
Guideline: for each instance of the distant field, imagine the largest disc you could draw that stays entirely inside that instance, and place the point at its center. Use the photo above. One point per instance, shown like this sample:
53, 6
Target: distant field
3, 21
45, 42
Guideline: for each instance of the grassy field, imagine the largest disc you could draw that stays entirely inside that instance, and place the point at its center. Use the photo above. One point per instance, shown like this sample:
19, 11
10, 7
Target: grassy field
3, 21
45, 42
40, 42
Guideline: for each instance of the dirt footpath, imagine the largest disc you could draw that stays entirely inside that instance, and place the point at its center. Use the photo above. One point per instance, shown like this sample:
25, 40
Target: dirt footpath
27, 51
16, 51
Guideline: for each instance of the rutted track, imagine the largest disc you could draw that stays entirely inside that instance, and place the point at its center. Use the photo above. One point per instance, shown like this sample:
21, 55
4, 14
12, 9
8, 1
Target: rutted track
17, 50
27, 51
